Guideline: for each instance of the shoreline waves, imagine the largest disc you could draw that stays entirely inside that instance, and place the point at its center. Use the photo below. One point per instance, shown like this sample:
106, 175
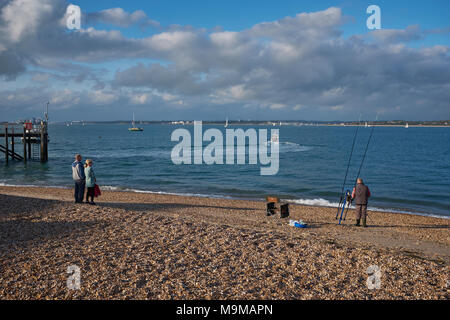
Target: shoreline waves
316, 202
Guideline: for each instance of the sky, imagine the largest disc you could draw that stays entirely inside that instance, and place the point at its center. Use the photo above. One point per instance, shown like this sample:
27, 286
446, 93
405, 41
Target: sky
209, 60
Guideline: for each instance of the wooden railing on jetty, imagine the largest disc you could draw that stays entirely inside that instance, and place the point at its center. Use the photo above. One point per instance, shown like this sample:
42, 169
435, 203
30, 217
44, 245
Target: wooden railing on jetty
37, 134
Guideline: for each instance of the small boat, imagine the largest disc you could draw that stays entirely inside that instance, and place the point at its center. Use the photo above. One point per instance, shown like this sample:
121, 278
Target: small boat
226, 123
134, 128
406, 125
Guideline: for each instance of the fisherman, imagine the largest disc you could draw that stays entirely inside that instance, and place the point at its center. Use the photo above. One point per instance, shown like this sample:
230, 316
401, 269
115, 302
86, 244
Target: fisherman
79, 178
360, 195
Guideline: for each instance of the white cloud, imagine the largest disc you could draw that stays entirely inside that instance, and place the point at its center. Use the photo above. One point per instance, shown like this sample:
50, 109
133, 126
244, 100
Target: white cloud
411, 33
137, 98
121, 18
225, 39
64, 99
166, 41
101, 97
22, 18
277, 106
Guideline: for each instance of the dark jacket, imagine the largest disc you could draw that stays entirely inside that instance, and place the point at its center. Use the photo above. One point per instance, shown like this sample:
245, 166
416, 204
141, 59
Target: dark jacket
361, 193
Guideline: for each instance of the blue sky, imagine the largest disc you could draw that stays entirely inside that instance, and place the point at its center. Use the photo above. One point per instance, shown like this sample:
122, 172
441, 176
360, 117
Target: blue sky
234, 15
312, 60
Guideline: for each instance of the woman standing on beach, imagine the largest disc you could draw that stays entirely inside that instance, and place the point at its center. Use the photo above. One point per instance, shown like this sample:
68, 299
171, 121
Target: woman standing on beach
90, 181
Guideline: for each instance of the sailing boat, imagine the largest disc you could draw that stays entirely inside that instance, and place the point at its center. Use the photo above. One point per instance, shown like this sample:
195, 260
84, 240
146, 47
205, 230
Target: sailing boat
134, 128
366, 125
226, 123
406, 125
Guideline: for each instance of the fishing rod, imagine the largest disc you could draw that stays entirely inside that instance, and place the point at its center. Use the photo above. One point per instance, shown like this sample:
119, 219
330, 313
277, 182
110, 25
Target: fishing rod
362, 161
365, 152
346, 172
345, 205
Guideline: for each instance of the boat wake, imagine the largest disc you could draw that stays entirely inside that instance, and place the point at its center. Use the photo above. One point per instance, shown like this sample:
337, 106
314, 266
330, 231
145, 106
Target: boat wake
289, 146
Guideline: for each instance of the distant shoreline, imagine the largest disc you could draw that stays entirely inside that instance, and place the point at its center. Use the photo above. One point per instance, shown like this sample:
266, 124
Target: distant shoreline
267, 123
387, 125
275, 123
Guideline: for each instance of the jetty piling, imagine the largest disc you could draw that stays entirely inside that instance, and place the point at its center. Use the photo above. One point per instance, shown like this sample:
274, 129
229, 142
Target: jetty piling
6, 144
31, 138
29, 146
44, 142
24, 144
12, 141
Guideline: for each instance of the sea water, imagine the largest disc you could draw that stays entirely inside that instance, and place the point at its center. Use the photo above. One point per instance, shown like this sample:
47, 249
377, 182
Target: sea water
407, 170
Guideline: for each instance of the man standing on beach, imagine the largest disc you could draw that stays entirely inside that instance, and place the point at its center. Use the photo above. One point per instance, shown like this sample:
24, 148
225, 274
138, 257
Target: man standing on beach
79, 178
360, 195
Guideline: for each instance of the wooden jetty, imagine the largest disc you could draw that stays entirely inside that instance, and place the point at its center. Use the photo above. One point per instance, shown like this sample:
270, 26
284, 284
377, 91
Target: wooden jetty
30, 135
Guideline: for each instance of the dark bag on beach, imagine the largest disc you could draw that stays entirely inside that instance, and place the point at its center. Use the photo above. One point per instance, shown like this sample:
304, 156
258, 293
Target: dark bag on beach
97, 191
284, 210
271, 208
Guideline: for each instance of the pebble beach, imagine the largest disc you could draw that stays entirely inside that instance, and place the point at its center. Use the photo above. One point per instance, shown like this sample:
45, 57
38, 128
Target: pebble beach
156, 246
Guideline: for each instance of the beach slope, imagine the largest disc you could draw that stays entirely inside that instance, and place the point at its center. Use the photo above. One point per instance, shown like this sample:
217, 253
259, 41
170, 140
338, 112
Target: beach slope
153, 246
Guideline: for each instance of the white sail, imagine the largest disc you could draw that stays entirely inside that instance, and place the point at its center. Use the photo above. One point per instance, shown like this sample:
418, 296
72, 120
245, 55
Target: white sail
133, 127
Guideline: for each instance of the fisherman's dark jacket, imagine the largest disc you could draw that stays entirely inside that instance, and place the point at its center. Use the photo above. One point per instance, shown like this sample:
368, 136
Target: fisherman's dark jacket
361, 193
